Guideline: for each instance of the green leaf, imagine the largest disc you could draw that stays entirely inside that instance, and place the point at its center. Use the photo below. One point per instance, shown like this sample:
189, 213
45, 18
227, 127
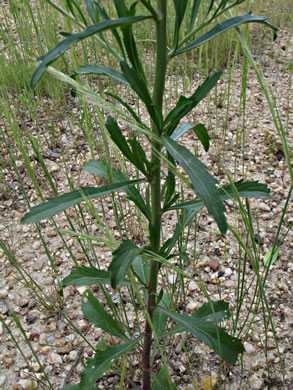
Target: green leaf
160, 318
224, 26
60, 203
103, 70
92, 11
208, 332
120, 141
271, 257
100, 169
194, 12
141, 269
162, 381
247, 189
127, 106
123, 257
180, 8
95, 367
71, 39
138, 84
85, 276
212, 311
94, 311
203, 182
203, 135
72, 387
185, 105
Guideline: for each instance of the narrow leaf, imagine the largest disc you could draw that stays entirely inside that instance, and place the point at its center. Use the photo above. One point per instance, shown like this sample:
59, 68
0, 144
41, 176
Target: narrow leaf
141, 269
247, 189
100, 169
271, 256
224, 26
85, 276
194, 12
208, 332
96, 366
71, 39
162, 381
212, 311
203, 182
185, 105
94, 311
60, 203
122, 260
203, 135
160, 318
103, 70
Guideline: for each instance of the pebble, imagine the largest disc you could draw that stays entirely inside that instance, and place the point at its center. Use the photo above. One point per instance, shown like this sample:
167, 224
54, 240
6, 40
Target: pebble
23, 301
1, 329
288, 312
264, 207
283, 286
3, 293
249, 348
192, 286
214, 264
40, 262
73, 355
228, 272
54, 358
193, 305
3, 380
255, 382
81, 290
82, 325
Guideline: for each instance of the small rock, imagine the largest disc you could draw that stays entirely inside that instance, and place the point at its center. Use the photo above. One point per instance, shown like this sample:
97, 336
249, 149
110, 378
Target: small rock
255, 382
3, 380
52, 233
54, 358
36, 367
40, 262
249, 348
228, 272
23, 302
282, 286
288, 312
3, 293
193, 305
1, 328
81, 290
264, 207
214, 264
31, 318
73, 355
192, 286
82, 325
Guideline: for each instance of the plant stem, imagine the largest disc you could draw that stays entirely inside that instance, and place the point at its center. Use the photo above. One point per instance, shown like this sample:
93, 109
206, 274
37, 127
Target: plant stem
155, 226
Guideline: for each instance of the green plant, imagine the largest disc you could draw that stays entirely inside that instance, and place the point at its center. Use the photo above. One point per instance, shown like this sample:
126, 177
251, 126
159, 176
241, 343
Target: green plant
132, 265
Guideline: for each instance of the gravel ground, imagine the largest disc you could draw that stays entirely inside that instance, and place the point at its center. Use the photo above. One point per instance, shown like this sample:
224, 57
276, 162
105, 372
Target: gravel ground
57, 347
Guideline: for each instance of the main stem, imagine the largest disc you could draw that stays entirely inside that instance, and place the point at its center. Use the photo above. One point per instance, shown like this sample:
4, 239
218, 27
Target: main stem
155, 226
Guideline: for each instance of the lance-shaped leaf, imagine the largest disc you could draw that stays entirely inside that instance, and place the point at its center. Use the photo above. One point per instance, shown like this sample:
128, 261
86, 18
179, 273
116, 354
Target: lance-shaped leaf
96, 366
60, 203
123, 257
94, 311
243, 189
87, 276
180, 8
194, 12
203, 182
185, 105
138, 159
211, 334
162, 381
138, 84
224, 26
213, 311
100, 169
71, 39
103, 70
199, 129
